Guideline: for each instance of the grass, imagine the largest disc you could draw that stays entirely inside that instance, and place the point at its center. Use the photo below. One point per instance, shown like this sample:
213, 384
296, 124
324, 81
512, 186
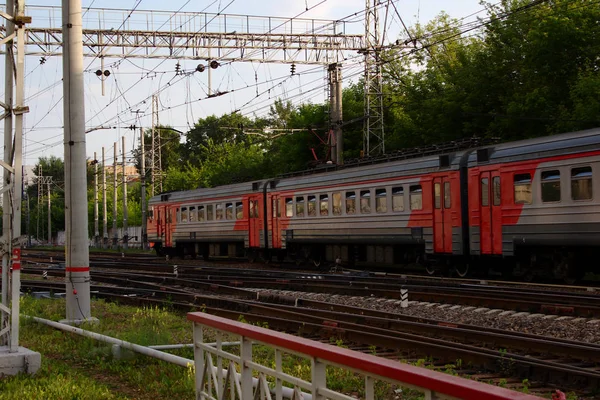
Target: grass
74, 367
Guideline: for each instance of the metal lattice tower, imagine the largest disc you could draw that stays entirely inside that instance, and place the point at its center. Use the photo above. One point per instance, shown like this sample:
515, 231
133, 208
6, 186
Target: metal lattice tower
156, 163
373, 131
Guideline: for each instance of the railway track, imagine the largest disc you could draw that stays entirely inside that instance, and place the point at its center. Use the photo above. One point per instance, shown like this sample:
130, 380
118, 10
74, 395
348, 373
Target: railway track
534, 300
487, 354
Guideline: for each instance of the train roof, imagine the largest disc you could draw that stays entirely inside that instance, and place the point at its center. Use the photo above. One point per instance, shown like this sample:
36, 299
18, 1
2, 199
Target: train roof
547, 146
542, 147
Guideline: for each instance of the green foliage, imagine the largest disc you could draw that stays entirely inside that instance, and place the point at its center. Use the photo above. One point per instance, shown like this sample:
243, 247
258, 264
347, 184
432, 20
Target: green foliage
533, 73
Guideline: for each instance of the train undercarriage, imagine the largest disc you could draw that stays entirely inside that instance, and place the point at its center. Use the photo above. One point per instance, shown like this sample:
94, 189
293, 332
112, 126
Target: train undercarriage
529, 263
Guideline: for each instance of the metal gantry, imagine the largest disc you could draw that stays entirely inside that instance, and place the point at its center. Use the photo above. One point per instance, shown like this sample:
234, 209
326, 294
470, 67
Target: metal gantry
373, 131
114, 33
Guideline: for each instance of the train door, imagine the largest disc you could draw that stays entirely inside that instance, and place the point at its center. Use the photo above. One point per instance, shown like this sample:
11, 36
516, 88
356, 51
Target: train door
169, 216
254, 224
442, 217
490, 228
276, 223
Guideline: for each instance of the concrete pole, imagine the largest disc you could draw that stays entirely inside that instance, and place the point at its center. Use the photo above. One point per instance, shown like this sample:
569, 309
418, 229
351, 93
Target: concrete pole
49, 215
114, 219
8, 125
125, 235
152, 155
76, 209
339, 115
143, 194
104, 209
96, 228
331, 77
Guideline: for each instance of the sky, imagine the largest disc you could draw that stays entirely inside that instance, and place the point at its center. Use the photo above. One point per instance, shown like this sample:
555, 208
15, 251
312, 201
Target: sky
253, 86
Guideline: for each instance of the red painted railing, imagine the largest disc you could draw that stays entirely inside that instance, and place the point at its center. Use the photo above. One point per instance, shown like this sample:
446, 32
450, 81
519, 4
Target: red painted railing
436, 385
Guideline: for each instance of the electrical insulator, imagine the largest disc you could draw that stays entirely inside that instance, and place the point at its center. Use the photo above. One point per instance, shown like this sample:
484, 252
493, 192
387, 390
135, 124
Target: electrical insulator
293, 69
177, 68
98, 73
214, 64
200, 68
106, 73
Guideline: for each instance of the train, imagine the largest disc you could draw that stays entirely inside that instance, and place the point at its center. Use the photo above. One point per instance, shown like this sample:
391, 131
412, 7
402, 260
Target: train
523, 208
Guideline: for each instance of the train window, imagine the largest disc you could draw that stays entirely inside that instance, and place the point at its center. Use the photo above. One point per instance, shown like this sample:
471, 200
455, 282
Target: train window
184, 214
151, 213
219, 212
496, 190
381, 200
581, 183
177, 214
485, 192
350, 203
209, 212
200, 213
300, 206
324, 204
289, 207
416, 197
447, 197
398, 198
193, 214
239, 210
253, 207
312, 206
365, 201
550, 186
336, 198
522, 183
437, 195
228, 210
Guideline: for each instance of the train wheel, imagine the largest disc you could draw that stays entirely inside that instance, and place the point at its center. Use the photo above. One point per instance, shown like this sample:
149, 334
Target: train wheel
461, 269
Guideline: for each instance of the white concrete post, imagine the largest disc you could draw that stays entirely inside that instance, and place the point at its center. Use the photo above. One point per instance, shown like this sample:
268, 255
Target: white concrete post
76, 210
403, 298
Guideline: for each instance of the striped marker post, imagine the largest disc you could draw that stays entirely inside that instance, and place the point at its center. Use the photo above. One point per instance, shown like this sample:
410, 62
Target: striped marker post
403, 298
175, 270
45, 274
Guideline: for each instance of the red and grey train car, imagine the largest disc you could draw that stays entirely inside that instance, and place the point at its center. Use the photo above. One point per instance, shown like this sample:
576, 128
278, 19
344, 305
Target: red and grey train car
531, 201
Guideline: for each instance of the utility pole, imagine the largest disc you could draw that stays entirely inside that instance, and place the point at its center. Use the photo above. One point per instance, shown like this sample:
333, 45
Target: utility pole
39, 201
335, 111
13, 358
104, 209
125, 235
49, 182
96, 228
77, 254
114, 219
143, 194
